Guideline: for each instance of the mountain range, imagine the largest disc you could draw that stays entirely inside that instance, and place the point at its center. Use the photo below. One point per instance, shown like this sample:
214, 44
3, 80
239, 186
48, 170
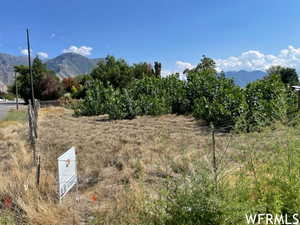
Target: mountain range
65, 65
243, 77
71, 64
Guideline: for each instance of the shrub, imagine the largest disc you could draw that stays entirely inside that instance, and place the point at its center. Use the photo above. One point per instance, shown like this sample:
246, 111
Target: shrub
122, 106
97, 100
266, 101
151, 96
177, 94
190, 201
214, 98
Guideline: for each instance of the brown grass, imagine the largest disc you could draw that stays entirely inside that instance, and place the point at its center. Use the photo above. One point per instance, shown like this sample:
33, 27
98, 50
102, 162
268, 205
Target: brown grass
117, 154
119, 163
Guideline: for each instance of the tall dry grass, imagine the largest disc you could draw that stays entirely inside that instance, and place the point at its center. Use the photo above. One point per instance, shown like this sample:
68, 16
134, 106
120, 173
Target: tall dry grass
120, 164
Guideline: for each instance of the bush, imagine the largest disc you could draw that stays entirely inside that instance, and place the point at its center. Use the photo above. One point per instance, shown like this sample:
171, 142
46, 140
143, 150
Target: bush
151, 96
190, 201
266, 101
97, 100
214, 98
122, 106
177, 94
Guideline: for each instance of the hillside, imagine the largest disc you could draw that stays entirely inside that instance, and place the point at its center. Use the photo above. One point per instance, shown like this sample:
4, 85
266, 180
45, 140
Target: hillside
243, 77
65, 65
71, 64
7, 63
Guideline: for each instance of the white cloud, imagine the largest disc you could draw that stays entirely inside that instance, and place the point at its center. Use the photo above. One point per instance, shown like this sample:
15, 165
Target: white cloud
52, 35
255, 60
165, 73
25, 51
184, 65
42, 55
83, 50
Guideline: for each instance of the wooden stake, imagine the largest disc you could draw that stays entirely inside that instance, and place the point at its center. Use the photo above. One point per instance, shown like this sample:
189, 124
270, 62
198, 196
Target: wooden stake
38, 171
215, 167
17, 97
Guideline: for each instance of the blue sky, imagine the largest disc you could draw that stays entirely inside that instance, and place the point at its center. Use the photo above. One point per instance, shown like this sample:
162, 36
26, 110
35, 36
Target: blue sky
238, 34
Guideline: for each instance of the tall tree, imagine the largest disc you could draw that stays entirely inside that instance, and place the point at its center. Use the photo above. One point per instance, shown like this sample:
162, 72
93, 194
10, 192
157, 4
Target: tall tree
206, 64
45, 82
113, 71
157, 69
288, 75
142, 70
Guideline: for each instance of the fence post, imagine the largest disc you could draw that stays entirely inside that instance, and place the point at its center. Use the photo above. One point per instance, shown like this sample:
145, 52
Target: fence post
31, 122
17, 94
36, 114
214, 161
38, 171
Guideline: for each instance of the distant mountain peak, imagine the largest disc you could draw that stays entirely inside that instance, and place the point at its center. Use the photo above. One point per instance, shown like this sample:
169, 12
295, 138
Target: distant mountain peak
65, 65
243, 77
71, 64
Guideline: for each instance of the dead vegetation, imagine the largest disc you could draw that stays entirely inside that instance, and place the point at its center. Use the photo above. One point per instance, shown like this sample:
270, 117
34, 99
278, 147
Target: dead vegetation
113, 156
119, 163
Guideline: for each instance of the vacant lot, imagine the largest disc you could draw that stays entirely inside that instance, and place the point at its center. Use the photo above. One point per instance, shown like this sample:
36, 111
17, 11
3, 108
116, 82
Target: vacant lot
120, 163
115, 154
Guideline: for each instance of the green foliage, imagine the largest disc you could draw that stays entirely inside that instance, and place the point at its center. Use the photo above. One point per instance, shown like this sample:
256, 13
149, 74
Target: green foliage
142, 70
266, 101
193, 202
206, 65
115, 72
214, 98
46, 85
269, 181
8, 96
122, 106
287, 75
96, 101
157, 69
150, 96
177, 94
206, 94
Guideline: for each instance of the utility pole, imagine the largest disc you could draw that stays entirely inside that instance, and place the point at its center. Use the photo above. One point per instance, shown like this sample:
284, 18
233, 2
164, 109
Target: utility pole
30, 69
17, 94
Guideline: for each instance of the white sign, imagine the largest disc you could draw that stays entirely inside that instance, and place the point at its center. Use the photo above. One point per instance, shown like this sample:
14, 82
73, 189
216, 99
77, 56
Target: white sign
67, 172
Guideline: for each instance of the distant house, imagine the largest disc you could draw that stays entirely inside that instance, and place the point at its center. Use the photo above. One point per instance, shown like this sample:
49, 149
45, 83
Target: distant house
3, 88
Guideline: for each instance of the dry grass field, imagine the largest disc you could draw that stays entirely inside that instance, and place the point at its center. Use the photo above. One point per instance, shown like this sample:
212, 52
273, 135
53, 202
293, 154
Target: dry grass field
120, 163
115, 159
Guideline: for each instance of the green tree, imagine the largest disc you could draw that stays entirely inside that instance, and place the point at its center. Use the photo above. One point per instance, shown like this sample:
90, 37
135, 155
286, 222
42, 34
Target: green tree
113, 71
142, 70
157, 69
46, 84
206, 65
287, 75
266, 101
214, 98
